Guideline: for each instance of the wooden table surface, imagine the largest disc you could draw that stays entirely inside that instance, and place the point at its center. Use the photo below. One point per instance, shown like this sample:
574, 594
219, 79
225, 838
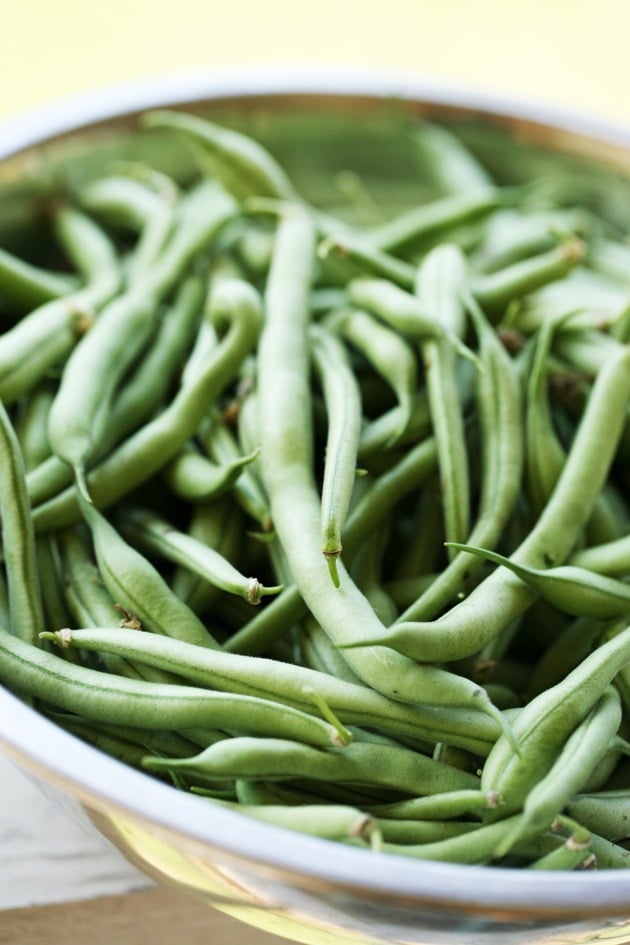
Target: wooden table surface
64, 885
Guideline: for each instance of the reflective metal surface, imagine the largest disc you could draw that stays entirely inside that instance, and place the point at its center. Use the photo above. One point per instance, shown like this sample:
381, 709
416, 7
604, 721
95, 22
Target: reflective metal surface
306, 889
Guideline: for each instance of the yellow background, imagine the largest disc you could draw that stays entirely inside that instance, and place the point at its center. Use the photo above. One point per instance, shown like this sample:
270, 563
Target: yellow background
559, 52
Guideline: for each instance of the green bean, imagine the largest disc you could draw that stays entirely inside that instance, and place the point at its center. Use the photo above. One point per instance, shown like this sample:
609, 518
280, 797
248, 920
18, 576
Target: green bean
27, 286
471, 847
569, 773
155, 534
366, 571
545, 455
572, 590
572, 855
422, 831
248, 491
31, 426
18, 540
606, 813
152, 378
403, 311
343, 407
137, 586
501, 597
85, 591
389, 354
608, 855
286, 453
496, 290
142, 393
145, 739
219, 525
46, 335
54, 606
271, 624
241, 164
606, 316
102, 697
449, 162
193, 477
92, 605
438, 806
289, 684
422, 554
132, 203
611, 558
611, 259
329, 821
148, 450
318, 652
123, 200
512, 235
371, 764
354, 256
437, 216
441, 279
80, 412
499, 412
542, 726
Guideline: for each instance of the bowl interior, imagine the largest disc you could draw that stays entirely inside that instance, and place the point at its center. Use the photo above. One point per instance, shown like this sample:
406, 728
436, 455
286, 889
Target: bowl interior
318, 137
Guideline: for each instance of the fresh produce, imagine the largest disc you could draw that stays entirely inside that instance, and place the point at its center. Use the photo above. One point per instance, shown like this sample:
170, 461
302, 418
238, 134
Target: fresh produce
322, 515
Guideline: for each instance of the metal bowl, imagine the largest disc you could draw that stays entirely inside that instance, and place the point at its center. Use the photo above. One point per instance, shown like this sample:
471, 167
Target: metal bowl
306, 889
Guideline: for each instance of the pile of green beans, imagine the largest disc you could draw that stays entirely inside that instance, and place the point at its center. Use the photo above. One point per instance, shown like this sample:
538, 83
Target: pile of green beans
322, 520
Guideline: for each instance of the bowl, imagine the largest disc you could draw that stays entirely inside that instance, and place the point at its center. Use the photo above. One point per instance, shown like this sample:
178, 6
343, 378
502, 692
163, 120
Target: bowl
300, 887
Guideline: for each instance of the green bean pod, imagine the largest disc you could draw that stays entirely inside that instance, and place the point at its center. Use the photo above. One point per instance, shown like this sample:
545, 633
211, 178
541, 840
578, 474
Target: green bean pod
131, 202
354, 256
606, 813
283, 759
403, 311
18, 540
328, 821
48, 333
448, 160
81, 411
542, 727
242, 165
498, 402
611, 558
570, 771
137, 586
152, 446
387, 352
501, 597
99, 696
438, 806
142, 393
289, 684
343, 407
571, 589
27, 286
496, 290
440, 281
193, 477
155, 534
437, 216
286, 461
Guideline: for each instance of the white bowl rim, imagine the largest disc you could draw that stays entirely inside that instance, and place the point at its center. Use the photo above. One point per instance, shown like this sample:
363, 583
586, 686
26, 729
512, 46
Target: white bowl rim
106, 785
